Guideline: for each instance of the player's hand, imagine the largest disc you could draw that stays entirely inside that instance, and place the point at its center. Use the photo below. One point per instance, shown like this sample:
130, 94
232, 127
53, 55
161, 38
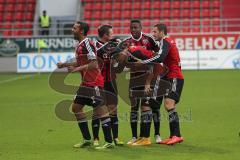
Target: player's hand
71, 69
147, 89
60, 65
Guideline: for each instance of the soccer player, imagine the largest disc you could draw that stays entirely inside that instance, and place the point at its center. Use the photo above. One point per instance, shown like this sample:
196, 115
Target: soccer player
150, 107
169, 55
105, 34
90, 91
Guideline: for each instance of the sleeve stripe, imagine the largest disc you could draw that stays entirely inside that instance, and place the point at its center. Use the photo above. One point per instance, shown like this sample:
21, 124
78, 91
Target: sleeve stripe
151, 59
91, 54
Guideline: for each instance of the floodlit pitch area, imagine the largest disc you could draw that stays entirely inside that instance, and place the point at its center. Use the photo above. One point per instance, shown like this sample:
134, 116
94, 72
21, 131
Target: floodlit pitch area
209, 110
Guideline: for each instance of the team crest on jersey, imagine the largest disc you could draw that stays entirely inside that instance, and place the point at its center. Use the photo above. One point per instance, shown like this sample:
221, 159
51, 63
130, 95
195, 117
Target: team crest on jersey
145, 41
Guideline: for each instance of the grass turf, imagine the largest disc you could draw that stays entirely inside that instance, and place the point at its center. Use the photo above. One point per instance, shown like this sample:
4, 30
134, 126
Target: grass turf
209, 109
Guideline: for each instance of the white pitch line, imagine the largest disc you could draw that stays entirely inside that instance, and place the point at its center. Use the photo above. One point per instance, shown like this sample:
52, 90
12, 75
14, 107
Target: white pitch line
16, 78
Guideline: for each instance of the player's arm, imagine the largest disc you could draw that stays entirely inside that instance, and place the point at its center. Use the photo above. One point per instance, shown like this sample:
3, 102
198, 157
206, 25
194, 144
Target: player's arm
154, 45
93, 64
66, 64
162, 53
92, 58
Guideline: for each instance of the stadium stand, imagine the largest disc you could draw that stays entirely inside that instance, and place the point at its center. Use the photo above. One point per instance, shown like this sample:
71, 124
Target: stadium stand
181, 16
201, 14
16, 17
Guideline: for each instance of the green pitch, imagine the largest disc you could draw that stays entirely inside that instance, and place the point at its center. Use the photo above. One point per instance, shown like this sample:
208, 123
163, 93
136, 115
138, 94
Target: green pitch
30, 129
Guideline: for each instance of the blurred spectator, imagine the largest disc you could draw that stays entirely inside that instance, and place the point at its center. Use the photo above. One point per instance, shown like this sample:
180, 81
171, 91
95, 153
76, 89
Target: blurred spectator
44, 23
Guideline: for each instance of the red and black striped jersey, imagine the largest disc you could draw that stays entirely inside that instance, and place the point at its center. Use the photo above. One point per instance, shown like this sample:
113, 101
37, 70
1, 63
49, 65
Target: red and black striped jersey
145, 41
105, 63
168, 55
85, 52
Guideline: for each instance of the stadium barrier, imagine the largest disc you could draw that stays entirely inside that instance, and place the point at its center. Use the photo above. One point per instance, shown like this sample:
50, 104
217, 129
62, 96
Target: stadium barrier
191, 60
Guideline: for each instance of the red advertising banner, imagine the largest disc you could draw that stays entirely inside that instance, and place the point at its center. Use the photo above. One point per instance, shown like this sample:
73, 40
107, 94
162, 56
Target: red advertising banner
207, 41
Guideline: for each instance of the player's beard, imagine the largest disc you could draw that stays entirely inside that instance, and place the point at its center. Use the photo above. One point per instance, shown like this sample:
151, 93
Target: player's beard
136, 35
76, 37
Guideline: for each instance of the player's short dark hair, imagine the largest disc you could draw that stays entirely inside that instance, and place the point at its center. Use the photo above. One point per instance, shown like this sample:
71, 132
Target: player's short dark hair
84, 26
161, 27
104, 29
136, 21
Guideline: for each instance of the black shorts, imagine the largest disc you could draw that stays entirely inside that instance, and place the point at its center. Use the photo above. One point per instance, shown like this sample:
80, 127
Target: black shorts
111, 92
159, 87
176, 89
91, 96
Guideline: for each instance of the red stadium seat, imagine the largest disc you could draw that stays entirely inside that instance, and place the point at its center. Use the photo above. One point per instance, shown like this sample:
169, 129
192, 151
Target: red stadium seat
196, 13
107, 15
146, 14
18, 25
126, 14
157, 5
87, 15
215, 4
216, 22
146, 5
116, 14
126, 23
97, 6
156, 13
96, 15
195, 29
176, 13
29, 16
31, 7
117, 6
196, 4
8, 16
186, 4
206, 22
107, 6
186, 23
186, 13
147, 29
127, 5
1, 7
166, 13
11, 1
137, 6
205, 4
19, 16
215, 29
27, 25
136, 14
27, 32
117, 30
116, 23
1, 17
146, 23
166, 4
186, 29
126, 30
215, 13
10, 8
175, 30
2, 1
175, 22
176, 4
205, 13
88, 6
20, 7
205, 29
196, 22
96, 23
7, 33
7, 26
16, 32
